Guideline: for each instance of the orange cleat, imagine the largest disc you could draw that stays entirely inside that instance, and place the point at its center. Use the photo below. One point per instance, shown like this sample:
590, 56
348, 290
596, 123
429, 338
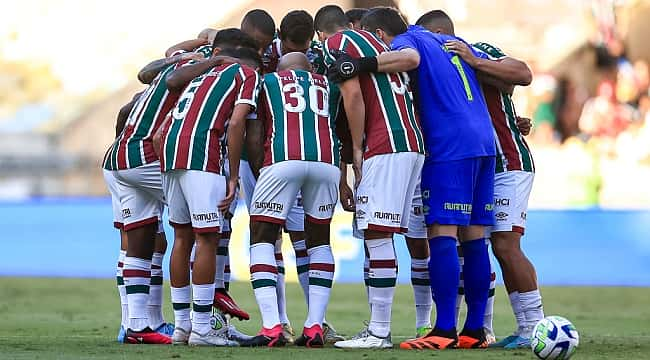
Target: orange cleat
472, 339
434, 340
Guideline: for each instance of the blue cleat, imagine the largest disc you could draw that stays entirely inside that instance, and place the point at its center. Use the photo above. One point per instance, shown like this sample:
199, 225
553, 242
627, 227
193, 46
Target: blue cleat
505, 341
165, 329
121, 335
518, 343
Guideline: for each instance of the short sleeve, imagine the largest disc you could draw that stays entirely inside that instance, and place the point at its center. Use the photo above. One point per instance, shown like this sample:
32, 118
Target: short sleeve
249, 89
492, 52
334, 42
402, 42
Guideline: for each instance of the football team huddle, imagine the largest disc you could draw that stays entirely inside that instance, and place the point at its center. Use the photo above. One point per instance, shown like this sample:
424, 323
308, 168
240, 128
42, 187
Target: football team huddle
437, 154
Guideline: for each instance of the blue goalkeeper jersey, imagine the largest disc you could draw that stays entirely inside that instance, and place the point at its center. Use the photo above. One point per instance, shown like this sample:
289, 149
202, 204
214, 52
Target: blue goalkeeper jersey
454, 117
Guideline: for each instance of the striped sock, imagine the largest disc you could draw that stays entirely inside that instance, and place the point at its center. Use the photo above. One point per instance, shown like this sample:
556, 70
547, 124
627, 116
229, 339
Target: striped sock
382, 276
302, 266
222, 262
321, 274
280, 287
226, 274
181, 300
121, 289
461, 284
154, 308
489, 307
366, 270
203, 297
421, 291
137, 276
264, 275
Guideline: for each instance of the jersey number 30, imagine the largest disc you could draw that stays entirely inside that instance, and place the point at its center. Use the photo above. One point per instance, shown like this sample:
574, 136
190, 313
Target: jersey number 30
297, 93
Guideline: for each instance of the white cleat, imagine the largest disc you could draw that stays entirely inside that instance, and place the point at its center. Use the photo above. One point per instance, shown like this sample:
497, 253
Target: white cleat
211, 338
366, 340
180, 336
236, 335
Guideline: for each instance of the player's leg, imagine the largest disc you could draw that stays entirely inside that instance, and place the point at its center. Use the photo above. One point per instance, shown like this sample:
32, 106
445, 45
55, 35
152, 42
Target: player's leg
156, 318
489, 307
476, 267
281, 291
202, 191
274, 193
320, 195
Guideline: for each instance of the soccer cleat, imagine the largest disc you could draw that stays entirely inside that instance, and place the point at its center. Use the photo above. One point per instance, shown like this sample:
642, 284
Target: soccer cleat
146, 336
165, 329
434, 340
330, 335
490, 337
366, 340
288, 333
312, 337
361, 333
422, 331
224, 302
503, 342
472, 339
236, 335
211, 338
180, 336
121, 335
518, 343
267, 337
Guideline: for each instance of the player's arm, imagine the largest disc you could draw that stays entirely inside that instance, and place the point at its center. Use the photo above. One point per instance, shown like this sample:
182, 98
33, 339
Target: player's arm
123, 114
151, 70
346, 195
236, 129
507, 69
179, 78
187, 45
501, 85
255, 144
157, 137
346, 67
355, 111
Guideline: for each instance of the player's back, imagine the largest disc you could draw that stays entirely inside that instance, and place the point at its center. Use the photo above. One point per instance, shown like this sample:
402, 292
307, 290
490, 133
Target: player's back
455, 121
297, 115
391, 124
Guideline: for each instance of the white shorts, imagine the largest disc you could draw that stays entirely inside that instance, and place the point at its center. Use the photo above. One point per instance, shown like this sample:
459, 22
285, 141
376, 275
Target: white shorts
111, 184
511, 193
295, 221
141, 196
279, 184
193, 197
385, 195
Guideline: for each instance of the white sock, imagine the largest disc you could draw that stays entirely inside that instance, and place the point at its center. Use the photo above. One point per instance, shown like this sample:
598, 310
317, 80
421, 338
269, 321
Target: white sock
516, 310
264, 275
321, 274
154, 307
181, 301
302, 266
489, 307
137, 276
531, 306
280, 287
382, 277
222, 262
461, 284
202, 297
121, 289
421, 291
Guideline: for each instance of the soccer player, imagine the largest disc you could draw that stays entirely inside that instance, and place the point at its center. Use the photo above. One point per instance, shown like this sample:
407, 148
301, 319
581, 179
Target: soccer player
513, 182
457, 181
386, 143
300, 155
354, 17
259, 24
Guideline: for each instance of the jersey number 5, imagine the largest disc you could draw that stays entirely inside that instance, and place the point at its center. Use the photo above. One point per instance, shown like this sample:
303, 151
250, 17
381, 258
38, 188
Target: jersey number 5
297, 93
459, 66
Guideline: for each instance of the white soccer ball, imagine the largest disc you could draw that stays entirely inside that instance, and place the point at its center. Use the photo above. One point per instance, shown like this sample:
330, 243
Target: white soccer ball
554, 337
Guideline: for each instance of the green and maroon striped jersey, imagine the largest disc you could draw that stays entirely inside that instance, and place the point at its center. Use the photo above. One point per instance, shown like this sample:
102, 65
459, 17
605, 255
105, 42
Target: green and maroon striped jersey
513, 152
391, 122
192, 139
273, 54
134, 146
299, 117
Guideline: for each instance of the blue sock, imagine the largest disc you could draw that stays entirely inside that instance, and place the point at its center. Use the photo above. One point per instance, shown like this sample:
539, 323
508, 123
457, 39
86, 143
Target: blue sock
444, 274
476, 274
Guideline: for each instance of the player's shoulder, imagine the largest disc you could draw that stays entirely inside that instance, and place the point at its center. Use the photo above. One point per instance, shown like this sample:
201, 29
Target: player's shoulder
205, 50
489, 49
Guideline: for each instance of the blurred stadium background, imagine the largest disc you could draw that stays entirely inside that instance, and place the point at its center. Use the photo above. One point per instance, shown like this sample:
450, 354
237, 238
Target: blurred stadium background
67, 66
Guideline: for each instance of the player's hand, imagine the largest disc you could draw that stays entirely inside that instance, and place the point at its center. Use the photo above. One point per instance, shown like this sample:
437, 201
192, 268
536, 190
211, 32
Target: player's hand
357, 163
220, 60
524, 125
462, 49
345, 67
192, 56
347, 196
224, 206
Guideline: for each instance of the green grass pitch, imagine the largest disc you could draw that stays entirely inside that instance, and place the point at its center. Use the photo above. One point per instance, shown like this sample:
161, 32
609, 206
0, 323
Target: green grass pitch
78, 319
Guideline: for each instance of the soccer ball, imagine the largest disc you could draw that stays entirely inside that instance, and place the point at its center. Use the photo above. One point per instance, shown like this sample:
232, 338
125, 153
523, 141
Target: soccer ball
554, 338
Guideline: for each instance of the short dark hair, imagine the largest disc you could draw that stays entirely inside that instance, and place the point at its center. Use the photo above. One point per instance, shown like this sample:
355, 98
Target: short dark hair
355, 14
249, 54
436, 19
233, 38
385, 18
260, 20
297, 26
330, 19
